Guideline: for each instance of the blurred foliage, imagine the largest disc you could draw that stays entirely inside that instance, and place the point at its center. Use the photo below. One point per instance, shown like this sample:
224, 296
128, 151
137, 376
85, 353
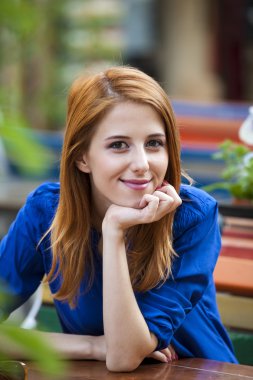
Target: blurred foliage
33, 345
238, 172
19, 17
41, 41
31, 59
23, 149
29, 342
44, 45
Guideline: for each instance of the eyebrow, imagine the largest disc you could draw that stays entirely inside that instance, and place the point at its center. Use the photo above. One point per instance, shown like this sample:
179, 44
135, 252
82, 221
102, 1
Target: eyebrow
128, 137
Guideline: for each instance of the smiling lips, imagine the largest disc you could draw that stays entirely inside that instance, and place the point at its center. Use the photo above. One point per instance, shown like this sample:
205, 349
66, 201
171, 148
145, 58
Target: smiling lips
136, 184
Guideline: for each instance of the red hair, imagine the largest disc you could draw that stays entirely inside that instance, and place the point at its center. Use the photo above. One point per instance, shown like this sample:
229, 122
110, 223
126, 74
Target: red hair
151, 252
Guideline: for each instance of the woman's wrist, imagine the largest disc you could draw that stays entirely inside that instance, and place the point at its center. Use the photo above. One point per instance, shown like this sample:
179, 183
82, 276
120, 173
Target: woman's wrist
112, 230
112, 234
113, 223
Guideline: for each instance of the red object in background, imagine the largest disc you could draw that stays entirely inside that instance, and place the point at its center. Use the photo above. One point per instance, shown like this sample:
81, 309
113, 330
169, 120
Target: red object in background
208, 124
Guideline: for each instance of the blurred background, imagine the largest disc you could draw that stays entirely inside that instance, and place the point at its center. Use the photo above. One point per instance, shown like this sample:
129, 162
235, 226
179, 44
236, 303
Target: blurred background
201, 51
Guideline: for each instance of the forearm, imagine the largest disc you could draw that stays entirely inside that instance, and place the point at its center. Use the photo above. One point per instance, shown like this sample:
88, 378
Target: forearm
128, 338
68, 346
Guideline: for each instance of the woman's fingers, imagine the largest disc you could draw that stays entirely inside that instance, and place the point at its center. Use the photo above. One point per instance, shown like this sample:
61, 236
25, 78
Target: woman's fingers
169, 200
126, 217
170, 191
158, 355
170, 353
166, 355
150, 200
154, 206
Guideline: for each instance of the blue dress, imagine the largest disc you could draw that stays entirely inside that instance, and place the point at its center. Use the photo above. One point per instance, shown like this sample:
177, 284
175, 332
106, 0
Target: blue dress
182, 311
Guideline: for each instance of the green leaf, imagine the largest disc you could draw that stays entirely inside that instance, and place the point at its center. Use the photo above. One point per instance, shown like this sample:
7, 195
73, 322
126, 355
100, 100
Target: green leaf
217, 186
23, 149
238, 172
36, 348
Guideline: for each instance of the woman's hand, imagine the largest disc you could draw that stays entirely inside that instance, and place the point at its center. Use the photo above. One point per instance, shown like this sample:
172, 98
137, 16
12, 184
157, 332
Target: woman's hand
152, 208
166, 355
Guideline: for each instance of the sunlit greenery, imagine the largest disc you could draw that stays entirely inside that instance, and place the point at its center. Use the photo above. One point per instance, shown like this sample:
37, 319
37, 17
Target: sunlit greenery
23, 150
41, 41
238, 172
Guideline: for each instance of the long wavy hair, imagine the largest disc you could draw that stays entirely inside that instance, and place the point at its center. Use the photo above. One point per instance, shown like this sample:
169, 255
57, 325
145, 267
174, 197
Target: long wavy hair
150, 254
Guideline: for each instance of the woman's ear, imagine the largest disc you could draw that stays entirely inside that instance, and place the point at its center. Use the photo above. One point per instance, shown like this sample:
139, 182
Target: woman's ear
82, 165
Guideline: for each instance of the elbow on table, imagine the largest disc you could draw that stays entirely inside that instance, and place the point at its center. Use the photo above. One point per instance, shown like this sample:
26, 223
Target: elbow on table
122, 363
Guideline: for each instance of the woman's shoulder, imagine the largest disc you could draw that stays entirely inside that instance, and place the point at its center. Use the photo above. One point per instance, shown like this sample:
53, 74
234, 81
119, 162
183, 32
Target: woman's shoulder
43, 200
196, 206
48, 191
196, 198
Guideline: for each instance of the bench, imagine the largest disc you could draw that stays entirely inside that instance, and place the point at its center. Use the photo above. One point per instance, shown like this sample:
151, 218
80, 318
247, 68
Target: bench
234, 275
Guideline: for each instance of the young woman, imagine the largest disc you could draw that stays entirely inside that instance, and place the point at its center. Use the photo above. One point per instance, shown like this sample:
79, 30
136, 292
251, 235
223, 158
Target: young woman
128, 251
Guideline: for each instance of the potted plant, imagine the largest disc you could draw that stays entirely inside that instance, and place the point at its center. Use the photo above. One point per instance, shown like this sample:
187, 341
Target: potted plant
238, 173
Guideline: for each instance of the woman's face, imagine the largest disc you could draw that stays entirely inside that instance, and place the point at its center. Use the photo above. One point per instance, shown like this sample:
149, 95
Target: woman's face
127, 157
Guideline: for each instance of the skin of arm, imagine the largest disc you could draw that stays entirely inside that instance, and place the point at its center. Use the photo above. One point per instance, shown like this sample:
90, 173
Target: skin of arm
128, 339
76, 347
68, 346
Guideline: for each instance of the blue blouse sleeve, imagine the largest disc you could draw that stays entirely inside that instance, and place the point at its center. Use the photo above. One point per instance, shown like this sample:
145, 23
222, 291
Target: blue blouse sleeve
21, 262
197, 244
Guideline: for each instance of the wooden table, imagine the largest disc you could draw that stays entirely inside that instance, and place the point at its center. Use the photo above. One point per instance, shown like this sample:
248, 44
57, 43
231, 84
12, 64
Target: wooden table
183, 369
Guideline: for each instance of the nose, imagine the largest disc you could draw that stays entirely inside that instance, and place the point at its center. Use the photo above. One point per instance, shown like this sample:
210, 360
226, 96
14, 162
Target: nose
139, 161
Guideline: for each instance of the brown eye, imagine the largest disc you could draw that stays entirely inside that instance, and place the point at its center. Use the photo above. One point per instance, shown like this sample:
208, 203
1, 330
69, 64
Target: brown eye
155, 143
118, 145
